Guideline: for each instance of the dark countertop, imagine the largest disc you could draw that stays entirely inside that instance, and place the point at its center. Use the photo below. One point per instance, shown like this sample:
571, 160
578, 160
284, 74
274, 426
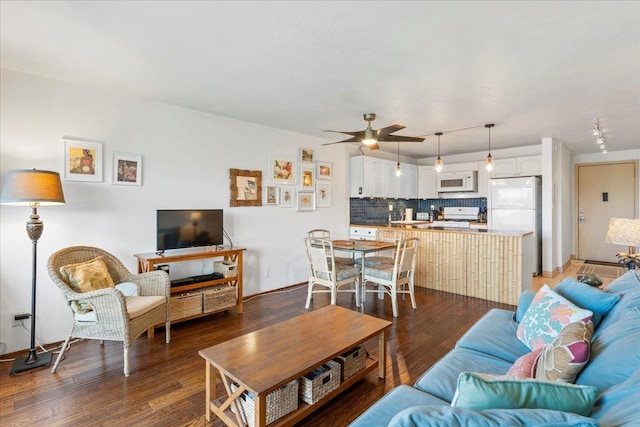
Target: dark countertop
427, 227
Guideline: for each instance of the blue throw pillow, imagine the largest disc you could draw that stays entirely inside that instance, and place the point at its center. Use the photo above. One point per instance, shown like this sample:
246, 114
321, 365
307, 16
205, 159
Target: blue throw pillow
589, 297
484, 391
438, 416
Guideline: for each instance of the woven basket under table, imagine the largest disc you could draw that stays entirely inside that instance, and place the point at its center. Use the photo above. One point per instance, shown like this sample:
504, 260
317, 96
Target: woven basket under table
352, 361
280, 402
321, 381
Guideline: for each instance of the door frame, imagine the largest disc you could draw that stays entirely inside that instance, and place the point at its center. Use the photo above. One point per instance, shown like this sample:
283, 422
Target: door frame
576, 186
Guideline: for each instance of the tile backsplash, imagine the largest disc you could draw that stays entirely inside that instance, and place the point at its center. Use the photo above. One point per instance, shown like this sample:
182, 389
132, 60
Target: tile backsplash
372, 211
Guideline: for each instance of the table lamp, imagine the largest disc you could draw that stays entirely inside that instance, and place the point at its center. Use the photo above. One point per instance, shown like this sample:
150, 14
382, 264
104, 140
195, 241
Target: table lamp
625, 231
34, 188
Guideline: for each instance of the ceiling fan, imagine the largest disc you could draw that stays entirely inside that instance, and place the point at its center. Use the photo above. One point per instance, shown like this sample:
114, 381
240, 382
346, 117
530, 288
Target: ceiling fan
370, 137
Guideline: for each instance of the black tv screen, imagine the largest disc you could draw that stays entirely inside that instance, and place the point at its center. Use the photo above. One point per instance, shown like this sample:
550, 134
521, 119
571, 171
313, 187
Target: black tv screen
188, 228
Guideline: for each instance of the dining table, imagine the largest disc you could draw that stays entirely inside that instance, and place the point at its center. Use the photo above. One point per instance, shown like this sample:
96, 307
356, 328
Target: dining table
362, 247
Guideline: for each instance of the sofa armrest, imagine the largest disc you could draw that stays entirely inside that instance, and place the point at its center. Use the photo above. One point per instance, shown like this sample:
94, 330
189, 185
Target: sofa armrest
523, 304
436, 416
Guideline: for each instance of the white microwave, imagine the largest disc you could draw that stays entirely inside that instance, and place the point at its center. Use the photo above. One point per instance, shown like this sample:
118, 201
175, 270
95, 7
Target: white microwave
449, 182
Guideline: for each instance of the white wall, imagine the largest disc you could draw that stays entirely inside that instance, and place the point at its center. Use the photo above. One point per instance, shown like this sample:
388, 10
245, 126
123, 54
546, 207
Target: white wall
186, 160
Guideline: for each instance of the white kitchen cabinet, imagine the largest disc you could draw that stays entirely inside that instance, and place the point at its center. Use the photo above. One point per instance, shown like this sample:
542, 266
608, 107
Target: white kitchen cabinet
427, 183
410, 173
517, 166
484, 177
368, 178
460, 167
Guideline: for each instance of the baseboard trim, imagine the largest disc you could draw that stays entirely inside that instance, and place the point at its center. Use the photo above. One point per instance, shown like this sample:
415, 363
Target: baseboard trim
550, 274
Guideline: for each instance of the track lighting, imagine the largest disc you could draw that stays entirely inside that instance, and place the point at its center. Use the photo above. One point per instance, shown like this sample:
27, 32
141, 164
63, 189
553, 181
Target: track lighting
489, 157
600, 140
438, 165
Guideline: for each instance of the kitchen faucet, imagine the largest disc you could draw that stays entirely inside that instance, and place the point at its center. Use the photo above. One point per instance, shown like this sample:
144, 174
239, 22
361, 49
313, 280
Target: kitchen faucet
403, 216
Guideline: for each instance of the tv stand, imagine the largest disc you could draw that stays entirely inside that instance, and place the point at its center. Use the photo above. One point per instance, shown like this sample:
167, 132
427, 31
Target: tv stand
185, 288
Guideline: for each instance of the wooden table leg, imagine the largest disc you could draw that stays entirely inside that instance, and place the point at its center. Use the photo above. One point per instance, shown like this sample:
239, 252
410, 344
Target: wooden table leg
208, 397
261, 410
382, 354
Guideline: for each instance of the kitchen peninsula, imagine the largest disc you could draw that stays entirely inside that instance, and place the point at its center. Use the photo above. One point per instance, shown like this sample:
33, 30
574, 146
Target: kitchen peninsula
492, 265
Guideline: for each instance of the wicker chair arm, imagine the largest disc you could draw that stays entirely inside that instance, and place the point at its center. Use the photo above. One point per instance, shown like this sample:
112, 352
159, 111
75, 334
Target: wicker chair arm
153, 283
110, 306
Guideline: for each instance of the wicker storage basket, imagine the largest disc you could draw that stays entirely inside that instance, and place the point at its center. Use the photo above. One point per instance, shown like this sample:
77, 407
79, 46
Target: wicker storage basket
321, 381
218, 297
185, 305
352, 361
280, 402
227, 268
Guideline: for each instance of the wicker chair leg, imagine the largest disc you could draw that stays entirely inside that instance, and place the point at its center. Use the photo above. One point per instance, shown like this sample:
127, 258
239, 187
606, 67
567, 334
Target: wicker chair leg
167, 331
126, 361
62, 350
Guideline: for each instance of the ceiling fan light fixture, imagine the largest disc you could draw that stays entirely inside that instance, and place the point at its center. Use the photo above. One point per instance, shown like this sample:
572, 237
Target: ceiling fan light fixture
489, 157
369, 137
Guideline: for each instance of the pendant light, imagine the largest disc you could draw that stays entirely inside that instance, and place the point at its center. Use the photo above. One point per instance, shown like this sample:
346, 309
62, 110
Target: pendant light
438, 165
398, 171
489, 158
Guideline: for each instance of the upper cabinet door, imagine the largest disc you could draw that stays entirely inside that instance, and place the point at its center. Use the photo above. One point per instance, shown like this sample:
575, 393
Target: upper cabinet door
427, 182
518, 166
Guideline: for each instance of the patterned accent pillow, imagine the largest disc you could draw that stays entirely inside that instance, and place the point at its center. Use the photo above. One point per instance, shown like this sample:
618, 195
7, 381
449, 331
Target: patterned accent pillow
87, 276
525, 366
565, 357
546, 316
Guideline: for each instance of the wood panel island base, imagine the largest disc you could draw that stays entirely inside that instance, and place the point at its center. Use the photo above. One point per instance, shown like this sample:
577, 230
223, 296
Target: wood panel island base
265, 360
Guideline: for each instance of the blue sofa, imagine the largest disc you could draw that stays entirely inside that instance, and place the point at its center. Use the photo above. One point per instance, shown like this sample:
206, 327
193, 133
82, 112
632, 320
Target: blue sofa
491, 347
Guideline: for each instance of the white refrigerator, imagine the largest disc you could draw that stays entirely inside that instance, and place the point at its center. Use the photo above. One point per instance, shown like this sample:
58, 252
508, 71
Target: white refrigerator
515, 204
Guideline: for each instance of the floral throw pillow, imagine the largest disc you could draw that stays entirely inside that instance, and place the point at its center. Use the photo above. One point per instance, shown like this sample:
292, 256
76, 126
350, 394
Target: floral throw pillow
525, 366
546, 316
565, 357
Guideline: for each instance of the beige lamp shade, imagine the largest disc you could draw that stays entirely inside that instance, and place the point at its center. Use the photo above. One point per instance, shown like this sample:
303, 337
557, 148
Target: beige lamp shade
623, 231
25, 187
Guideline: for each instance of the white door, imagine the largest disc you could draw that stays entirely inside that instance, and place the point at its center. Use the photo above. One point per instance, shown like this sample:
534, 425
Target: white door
513, 193
605, 191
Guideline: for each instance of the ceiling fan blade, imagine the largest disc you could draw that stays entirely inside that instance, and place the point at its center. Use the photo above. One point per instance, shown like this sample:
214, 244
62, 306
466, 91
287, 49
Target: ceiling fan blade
399, 138
354, 139
353, 133
384, 132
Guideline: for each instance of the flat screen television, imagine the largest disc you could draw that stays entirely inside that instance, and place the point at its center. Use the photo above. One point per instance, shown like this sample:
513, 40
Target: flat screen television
188, 228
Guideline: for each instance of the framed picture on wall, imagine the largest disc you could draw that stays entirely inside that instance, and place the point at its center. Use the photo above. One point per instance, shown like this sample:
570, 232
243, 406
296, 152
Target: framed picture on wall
307, 178
324, 170
282, 169
245, 187
272, 194
82, 161
306, 201
286, 196
323, 194
127, 169
306, 155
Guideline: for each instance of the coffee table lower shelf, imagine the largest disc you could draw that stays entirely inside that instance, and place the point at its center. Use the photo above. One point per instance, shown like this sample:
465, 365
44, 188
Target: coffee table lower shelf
304, 409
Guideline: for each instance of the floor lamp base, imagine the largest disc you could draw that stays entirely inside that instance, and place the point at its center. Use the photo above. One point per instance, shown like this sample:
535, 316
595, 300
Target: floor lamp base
20, 365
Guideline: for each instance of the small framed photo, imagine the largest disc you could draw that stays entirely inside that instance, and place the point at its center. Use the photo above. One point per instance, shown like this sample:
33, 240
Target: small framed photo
324, 170
306, 201
245, 187
127, 169
306, 155
272, 195
82, 161
286, 197
323, 194
282, 169
307, 178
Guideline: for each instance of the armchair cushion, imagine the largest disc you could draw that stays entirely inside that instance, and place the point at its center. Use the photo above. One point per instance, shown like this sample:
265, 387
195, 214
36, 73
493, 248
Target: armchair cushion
87, 276
382, 271
137, 306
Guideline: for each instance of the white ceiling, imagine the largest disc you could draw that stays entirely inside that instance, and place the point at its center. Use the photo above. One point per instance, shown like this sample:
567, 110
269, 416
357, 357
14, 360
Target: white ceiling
535, 69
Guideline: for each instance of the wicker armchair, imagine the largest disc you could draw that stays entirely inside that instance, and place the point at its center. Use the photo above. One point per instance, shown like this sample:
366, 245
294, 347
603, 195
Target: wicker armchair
113, 320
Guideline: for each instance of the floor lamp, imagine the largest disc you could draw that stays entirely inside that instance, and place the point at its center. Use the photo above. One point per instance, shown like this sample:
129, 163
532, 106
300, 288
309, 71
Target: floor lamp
34, 188
625, 231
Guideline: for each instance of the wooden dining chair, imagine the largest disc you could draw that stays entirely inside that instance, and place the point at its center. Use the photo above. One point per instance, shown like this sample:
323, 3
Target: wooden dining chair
396, 278
325, 275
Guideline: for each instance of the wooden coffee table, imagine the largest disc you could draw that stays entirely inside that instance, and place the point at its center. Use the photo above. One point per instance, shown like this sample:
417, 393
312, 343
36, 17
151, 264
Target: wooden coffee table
267, 359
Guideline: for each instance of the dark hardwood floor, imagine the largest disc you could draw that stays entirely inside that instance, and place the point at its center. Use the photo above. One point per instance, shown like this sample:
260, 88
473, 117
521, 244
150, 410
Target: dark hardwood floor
166, 386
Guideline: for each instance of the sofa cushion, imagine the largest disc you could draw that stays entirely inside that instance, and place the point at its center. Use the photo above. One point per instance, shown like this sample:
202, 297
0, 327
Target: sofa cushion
483, 391
401, 397
619, 405
565, 357
546, 316
440, 380
495, 334
589, 297
525, 366
439, 416
615, 351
